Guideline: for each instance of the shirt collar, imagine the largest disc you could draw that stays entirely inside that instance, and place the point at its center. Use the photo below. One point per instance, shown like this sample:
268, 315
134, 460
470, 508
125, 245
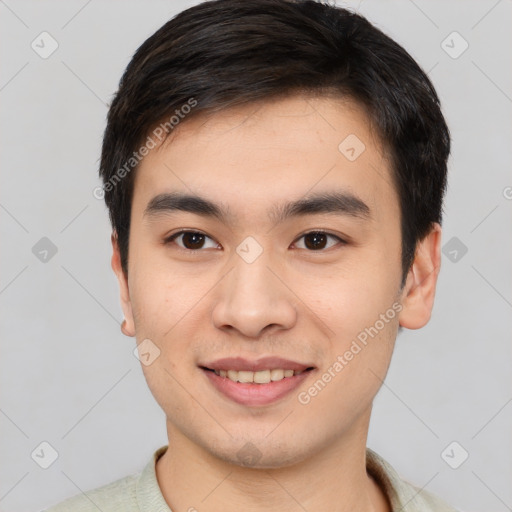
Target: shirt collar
400, 494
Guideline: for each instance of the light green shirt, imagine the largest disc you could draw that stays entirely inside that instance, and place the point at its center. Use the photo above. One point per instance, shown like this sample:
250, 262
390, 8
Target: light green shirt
140, 492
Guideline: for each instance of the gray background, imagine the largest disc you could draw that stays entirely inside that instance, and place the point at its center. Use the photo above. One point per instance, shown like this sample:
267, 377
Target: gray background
68, 375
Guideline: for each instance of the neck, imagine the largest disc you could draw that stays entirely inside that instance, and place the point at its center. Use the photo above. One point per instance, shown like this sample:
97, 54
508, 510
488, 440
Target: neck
334, 478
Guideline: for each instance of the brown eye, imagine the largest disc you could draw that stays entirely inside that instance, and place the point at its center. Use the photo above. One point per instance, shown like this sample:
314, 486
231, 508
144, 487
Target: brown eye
193, 240
190, 240
318, 240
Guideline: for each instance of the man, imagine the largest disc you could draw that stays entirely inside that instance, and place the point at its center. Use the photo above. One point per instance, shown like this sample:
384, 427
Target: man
274, 172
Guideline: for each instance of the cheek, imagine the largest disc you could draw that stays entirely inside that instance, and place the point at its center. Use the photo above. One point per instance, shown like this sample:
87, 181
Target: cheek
353, 297
168, 306
161, 297
345, 388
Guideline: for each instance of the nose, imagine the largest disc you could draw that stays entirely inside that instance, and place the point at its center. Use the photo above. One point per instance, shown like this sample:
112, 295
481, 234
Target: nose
253, 299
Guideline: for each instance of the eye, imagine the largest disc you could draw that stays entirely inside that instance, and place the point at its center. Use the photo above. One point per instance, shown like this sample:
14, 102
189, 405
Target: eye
195, 240
190, 240
318, 240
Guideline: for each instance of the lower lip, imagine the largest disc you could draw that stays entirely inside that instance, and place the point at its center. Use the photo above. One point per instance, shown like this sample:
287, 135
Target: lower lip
256, 394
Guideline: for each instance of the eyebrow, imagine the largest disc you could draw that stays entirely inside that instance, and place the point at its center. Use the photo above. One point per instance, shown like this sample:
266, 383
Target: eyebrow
337, 202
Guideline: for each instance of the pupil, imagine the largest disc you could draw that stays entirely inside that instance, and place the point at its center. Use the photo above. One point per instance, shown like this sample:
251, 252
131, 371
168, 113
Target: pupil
318, 240
193, 239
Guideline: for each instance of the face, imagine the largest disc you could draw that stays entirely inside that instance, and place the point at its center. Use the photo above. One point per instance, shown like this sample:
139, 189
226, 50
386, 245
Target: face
242, 288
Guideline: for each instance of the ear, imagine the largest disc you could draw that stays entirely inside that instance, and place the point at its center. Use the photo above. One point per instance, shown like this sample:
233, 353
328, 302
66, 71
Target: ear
420, 287
128, 326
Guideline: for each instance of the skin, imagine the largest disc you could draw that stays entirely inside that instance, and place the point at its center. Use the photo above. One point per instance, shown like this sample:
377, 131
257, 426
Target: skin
292, 301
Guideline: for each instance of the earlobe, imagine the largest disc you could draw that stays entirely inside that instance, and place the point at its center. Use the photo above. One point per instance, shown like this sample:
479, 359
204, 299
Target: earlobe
128, 325
419, 290
125, 329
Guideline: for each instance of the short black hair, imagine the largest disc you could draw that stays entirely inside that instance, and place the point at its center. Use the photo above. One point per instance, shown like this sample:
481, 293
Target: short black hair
225, 53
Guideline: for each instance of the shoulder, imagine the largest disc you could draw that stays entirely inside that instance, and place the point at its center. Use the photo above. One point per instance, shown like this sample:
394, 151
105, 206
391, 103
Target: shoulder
118, 496
135, 492
426, 501
402, 494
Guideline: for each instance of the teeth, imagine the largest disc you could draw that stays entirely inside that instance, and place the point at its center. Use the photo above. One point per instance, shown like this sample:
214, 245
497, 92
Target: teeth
261, 377
245, 376
276, 374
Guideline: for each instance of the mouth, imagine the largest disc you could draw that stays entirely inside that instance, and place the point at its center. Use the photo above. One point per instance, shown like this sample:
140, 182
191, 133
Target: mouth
259, 377
256, 383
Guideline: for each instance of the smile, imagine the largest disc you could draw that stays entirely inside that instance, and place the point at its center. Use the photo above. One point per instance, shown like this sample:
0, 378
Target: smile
261, 377
255, 383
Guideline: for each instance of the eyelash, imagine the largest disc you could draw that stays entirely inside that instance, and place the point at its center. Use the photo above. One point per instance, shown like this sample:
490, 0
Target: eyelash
170, 239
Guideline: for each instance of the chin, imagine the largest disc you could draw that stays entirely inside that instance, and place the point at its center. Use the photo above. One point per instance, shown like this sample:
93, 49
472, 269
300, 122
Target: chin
259, 454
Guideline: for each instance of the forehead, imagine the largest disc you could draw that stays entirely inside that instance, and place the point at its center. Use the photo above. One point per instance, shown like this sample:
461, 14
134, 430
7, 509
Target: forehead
256, 156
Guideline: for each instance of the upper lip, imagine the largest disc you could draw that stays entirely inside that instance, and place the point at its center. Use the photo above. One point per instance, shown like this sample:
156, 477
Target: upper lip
264, 363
